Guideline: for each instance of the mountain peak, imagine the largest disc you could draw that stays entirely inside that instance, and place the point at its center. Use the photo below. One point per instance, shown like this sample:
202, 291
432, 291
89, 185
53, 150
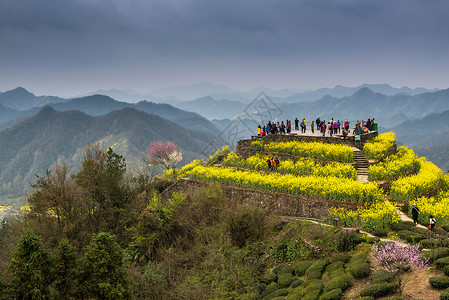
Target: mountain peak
20, 91
364, 92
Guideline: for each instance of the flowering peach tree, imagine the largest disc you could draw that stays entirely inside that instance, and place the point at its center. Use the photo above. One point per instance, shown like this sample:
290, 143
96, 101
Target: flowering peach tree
164, 153
398, 260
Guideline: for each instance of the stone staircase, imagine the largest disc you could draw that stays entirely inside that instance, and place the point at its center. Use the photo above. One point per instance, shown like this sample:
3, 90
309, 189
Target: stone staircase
361, 165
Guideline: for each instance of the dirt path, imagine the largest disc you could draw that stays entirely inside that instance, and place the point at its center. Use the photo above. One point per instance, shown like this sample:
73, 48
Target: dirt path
404, 217
321, 222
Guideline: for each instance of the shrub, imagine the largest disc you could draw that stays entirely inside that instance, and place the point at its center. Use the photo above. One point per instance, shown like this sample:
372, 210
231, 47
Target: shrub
403, 225
317, 267
379, 289
410, 236
367, 298
430, 243
381, 232
277, 293
297, 293
296, 283
337, 273
245, 225
444, 295
342, 257
314, 275
440, 263
270, 289
269, 277
360, 271
261, 287
445, 227
300, 268
435, 254
334, 266
284, 269
313, 284
284, 280
342, 282
346, 240
439, 282
446, 270
335, 294
373, 240
358, 258
312, 295
382, 276
306, 288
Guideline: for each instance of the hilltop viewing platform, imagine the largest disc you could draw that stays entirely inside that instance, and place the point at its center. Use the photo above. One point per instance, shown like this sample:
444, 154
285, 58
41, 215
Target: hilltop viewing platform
244, 146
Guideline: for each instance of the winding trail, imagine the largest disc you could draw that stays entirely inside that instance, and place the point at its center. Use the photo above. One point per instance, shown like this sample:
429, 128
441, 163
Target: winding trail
321, 222
404, 217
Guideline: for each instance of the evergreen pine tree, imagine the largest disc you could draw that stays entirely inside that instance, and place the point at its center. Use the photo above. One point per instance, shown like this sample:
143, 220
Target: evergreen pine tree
104, 274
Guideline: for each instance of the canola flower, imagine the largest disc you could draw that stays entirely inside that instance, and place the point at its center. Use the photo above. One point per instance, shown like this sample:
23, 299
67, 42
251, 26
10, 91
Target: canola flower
436, 206
429, 177
379, 146
323, 187
316, 150
302, 167
402, 162
370, 217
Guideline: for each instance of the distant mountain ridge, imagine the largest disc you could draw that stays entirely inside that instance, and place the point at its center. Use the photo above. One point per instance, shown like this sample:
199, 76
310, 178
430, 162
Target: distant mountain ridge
222, 92
21, 99
37, 143
95, 105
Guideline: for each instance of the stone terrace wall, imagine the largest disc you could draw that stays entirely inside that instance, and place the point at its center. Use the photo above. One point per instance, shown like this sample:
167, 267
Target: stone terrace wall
244, 146
277, 203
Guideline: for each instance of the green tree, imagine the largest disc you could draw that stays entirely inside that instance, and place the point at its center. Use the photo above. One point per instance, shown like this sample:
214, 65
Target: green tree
66, 270
102, 177
104, 274
56, 204
31, 268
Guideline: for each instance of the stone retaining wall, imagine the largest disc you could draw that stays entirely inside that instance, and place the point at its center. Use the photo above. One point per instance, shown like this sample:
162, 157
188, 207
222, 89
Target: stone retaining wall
277, 203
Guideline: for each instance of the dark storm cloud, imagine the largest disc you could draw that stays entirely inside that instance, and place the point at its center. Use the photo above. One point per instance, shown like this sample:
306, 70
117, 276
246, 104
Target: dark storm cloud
149, 36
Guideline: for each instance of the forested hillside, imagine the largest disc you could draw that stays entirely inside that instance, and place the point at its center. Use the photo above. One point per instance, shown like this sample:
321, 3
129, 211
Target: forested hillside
34, 145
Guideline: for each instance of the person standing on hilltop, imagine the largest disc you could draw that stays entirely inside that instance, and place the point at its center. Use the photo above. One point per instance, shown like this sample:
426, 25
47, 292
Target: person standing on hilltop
318, 123
312, 127
259, 129
296, 124
323, 127
303, 125
415, 213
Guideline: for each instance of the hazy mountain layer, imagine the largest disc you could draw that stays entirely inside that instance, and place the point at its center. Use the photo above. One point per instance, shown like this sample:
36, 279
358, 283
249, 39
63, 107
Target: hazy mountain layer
37, 143
22, 104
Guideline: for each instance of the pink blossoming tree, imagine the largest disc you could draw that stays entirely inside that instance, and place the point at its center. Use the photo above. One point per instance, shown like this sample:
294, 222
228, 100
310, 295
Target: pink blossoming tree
164, 153
398, 260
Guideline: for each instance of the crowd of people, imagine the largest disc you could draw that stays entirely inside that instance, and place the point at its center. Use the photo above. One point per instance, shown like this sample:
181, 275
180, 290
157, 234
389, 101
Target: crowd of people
330, 128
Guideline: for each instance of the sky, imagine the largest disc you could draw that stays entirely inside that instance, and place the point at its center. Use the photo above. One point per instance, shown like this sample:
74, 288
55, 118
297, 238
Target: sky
72, 47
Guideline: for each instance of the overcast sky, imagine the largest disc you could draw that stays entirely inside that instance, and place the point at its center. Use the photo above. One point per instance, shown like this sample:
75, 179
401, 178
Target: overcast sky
72, 47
